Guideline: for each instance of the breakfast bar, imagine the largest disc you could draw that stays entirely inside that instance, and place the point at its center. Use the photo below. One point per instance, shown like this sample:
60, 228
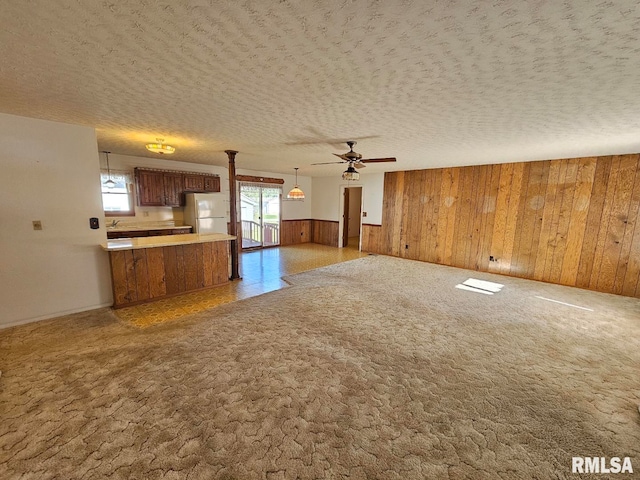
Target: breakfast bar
146, 269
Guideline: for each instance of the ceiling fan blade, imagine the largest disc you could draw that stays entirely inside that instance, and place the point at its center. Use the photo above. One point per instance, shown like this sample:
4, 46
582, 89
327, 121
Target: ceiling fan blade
378, 160
342, 156
328, 163
319, 138
359, 164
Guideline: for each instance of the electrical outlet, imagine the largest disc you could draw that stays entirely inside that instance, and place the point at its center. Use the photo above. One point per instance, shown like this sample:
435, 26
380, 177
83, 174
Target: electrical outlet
364, 214
37, 225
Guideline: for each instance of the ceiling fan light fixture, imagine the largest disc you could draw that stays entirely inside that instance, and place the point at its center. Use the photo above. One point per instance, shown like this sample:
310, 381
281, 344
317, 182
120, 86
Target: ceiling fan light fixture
350, 174
160, 147
296, 193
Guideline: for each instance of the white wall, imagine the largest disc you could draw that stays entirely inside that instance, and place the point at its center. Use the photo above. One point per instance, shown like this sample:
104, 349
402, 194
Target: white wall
327, 197
49, 172
291, 210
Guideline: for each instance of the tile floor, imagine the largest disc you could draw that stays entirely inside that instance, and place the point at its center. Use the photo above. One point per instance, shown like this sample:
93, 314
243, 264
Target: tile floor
261, 271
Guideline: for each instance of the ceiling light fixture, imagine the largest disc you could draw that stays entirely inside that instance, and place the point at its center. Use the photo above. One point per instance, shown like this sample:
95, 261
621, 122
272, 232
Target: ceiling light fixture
296, 193
109, 183
160, 147
350, 174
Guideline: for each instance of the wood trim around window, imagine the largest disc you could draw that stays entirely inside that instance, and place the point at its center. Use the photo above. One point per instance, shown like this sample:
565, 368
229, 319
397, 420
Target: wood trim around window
120, 214
251, 178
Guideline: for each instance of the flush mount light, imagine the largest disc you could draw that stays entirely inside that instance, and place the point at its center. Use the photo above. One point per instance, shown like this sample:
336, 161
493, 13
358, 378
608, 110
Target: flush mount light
160, 147
350, 174
296, 193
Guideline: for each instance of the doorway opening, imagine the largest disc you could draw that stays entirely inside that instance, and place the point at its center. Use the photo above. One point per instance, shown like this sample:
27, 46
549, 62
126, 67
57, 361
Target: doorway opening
351, 217
260, 207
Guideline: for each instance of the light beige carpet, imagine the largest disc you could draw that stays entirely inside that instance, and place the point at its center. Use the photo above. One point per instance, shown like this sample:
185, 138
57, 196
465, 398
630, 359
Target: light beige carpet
374, 368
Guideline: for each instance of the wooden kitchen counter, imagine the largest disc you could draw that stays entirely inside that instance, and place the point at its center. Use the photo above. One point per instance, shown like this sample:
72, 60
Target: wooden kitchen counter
146, 269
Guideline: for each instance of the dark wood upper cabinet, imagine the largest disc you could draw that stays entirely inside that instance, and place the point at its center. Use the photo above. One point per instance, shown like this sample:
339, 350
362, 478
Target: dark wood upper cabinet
173, 189
150, 188
201, 182
158, 188
211, 183
193, 182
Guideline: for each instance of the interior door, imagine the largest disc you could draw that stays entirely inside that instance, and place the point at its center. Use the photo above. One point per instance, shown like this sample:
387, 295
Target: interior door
352, 217
345, 219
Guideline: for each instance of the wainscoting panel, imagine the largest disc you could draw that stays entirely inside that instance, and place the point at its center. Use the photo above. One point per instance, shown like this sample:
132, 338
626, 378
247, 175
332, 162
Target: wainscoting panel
572, 221
325, 232
295, 232
371, 238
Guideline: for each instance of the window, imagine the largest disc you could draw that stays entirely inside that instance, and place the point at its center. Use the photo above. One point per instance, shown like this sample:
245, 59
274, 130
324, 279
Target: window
118, 200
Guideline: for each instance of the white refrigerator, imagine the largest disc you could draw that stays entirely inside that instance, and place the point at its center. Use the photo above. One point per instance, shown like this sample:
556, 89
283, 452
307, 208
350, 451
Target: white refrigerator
206, 212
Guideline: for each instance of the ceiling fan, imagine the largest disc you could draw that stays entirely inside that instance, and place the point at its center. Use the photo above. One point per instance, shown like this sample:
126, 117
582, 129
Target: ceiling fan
354, 160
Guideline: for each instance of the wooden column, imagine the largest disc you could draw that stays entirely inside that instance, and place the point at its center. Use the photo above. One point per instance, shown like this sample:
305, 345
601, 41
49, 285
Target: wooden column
233, 214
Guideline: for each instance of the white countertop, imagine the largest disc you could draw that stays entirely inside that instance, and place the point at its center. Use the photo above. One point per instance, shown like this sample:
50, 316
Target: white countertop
163, 241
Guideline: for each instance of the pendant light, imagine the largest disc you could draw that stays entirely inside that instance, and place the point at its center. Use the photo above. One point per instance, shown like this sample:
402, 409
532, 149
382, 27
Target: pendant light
296, 193
109, 183
160, 147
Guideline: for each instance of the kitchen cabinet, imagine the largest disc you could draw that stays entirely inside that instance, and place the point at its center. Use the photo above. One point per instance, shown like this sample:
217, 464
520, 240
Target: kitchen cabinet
150, 188
158, 233
115, 234
173, 189
193, 182
159, 189
201, 182
164, 188
127, 234
211, 183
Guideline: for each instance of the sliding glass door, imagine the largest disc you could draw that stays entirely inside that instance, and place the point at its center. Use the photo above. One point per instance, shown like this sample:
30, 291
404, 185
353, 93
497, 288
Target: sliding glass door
260, 207
271, 216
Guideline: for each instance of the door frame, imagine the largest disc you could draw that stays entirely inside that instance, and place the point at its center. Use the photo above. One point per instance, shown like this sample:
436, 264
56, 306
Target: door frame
261, 209
343, 227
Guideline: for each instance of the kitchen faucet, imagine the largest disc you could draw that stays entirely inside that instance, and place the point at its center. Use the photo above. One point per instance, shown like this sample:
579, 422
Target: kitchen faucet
114, 223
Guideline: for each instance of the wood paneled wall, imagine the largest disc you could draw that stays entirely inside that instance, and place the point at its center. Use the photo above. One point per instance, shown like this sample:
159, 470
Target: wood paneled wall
294, 232
371, 238
572, 222
325, 232
142, 275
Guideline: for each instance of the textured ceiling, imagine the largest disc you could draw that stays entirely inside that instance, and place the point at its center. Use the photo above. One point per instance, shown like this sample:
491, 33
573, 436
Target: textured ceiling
434, 83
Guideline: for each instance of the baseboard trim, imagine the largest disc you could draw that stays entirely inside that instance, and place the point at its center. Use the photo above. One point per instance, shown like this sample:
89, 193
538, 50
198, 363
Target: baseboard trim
24, 321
